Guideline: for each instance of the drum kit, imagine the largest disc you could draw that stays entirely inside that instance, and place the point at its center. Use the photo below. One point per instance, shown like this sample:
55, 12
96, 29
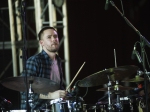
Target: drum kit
111, 77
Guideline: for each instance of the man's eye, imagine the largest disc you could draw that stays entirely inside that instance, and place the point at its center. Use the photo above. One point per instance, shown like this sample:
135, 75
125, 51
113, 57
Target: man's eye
55, 36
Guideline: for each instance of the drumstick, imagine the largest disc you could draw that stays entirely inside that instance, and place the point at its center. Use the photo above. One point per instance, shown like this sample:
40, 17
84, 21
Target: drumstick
115, 58
75, 76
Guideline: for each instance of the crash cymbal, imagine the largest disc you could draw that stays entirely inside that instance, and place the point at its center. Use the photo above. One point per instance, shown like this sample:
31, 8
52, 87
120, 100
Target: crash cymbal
39, 85
136, 79
101, 77
115, 88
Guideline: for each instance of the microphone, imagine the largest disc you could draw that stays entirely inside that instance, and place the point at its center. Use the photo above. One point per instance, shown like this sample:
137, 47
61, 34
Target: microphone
133, 53
107, 5
138, 56
136, 53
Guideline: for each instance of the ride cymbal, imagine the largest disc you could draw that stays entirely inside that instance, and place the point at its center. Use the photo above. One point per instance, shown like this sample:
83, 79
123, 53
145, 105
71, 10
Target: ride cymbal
101, 77
39, 85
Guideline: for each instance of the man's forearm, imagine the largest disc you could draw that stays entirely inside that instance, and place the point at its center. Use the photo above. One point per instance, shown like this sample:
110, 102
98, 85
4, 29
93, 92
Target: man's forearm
45, 96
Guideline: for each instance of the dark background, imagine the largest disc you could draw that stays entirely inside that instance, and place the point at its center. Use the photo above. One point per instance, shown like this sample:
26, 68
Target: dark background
94, 33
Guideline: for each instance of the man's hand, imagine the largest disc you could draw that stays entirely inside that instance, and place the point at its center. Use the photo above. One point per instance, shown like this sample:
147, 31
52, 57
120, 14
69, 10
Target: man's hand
57, 94
54, 95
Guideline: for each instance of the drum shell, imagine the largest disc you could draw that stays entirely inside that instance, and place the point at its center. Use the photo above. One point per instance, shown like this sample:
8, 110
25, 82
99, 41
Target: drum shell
24, 111
67, 106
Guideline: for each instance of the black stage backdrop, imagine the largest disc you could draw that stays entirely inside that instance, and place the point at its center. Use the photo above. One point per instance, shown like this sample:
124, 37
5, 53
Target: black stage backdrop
94, 33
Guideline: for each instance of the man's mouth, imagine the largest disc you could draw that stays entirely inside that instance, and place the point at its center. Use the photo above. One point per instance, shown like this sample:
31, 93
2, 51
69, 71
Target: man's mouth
54, 44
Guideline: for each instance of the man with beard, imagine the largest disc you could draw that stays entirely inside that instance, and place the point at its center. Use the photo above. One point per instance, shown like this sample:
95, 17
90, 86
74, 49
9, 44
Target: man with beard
46, 64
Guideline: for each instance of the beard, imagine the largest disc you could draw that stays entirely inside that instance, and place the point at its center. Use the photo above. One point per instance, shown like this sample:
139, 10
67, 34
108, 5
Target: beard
53, 49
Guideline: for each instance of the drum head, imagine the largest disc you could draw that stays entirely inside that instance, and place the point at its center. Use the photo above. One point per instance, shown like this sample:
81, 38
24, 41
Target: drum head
17, 111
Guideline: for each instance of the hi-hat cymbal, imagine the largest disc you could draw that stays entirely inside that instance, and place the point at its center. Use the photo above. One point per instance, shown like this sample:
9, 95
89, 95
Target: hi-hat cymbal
39, 85
136, 79
116, 88
101, 77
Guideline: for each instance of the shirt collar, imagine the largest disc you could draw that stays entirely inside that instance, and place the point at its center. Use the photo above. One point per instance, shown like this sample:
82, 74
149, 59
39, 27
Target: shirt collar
46, 55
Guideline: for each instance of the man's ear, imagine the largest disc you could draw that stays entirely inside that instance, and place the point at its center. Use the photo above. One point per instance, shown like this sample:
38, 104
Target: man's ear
41, 42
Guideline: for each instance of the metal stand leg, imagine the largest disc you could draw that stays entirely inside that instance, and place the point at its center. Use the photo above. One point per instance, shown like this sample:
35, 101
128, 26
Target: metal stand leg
118, 104
31, 96
110, 108
131, 106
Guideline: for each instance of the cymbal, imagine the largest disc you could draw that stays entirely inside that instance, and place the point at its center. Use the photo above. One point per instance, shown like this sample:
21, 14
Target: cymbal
39, 85
116, 88
136, 79
101, 77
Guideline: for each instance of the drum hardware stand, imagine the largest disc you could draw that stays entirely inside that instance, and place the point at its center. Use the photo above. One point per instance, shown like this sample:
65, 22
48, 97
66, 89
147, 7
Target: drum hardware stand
68, 105
110, 108
131, 106
140, 73
31, 96
118, 104
24, 55
77, 105
46, 109
3, 110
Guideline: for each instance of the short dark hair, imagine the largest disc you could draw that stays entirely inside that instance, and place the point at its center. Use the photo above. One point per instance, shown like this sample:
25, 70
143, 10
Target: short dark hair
43, 29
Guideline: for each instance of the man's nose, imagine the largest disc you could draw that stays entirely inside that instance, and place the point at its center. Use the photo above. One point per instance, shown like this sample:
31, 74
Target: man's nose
53, 38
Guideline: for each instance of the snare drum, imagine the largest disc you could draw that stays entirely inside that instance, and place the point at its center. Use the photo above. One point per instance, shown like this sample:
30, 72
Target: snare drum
60, 105
25, 111
17, 111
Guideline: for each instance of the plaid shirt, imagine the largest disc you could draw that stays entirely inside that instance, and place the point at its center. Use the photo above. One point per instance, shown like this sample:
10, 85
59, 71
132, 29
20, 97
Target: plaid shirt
39, 66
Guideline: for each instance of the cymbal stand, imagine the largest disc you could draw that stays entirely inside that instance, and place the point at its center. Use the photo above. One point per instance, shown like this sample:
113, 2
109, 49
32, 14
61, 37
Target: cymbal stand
24, 48
110, 108
118, 103
31, 96
131, 106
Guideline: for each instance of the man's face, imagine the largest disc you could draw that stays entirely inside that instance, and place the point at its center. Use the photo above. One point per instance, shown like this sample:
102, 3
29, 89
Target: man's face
49, 40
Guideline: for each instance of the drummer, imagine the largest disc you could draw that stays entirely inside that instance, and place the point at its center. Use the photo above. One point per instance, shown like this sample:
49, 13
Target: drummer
46, 64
